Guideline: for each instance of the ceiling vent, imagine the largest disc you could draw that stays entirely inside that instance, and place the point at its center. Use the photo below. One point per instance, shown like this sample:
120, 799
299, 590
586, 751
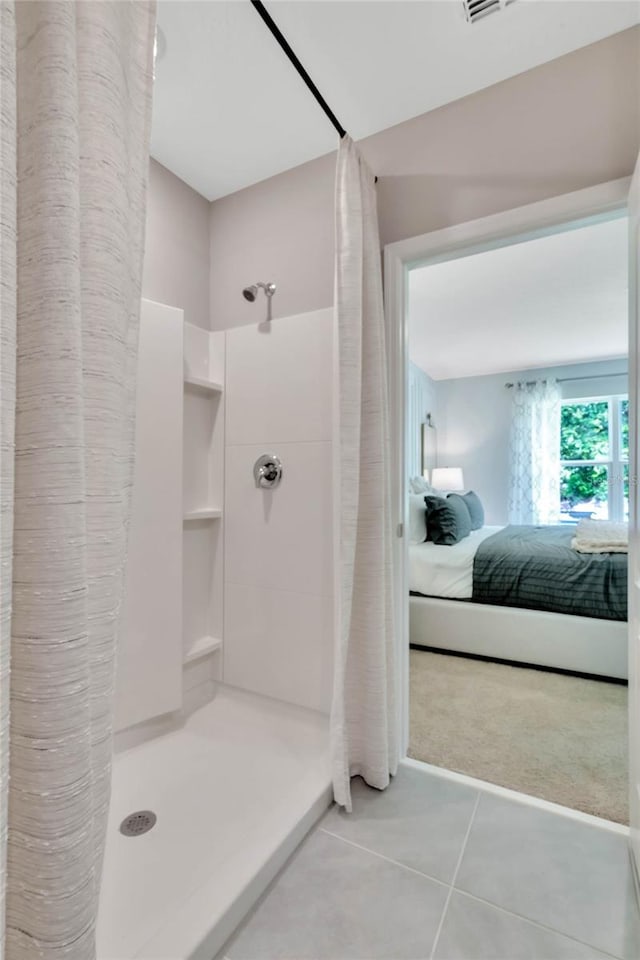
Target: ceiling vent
476, 9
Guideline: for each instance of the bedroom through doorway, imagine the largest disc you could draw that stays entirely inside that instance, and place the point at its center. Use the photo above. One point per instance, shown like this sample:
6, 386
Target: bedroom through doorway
517, 453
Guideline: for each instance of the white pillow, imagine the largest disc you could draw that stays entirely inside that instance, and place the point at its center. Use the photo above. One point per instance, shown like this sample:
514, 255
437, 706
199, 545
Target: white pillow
420, 485
417, 518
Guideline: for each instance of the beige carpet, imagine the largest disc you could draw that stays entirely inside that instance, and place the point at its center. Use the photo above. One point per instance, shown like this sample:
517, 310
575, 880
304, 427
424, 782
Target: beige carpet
560, 738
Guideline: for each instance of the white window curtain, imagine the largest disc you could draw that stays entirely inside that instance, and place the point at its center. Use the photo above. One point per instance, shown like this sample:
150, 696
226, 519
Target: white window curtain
76, 114
363, 717
535, 453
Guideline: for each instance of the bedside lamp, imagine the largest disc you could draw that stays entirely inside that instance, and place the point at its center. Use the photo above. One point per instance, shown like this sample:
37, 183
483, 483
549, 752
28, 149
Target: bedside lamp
447, 478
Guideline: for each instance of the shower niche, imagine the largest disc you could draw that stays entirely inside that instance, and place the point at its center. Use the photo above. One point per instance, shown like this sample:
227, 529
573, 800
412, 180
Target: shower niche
172, 619
203, 480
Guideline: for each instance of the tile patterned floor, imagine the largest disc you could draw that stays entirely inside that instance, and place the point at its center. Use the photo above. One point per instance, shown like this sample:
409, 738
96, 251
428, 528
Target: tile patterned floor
436, 870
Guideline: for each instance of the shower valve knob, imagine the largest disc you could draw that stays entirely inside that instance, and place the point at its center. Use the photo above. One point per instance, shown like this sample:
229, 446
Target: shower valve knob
267, 471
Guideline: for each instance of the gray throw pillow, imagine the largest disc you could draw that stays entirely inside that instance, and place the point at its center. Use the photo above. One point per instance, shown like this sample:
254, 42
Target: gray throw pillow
448, 521
475, 508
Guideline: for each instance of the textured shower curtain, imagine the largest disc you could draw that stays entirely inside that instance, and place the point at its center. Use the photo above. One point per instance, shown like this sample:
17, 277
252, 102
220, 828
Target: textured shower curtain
76, 113
363, 716
534, 447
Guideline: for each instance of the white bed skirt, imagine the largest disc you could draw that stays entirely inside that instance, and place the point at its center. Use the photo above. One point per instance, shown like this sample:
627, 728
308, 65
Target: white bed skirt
581, 644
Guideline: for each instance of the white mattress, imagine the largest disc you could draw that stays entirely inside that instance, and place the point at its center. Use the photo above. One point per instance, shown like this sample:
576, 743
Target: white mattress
438, 571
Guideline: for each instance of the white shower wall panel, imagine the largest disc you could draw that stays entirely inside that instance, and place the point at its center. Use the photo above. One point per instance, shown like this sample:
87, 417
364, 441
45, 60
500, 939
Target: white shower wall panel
279, 544
149, 656
280, 644
280, 538
201, 605
280, 380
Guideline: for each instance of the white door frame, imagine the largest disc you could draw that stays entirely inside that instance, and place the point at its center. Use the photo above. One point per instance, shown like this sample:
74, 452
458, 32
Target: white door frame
634, 529
501, 229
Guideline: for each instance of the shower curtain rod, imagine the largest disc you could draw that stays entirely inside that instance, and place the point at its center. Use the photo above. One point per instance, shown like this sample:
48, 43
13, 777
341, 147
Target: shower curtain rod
595, 376
262, 11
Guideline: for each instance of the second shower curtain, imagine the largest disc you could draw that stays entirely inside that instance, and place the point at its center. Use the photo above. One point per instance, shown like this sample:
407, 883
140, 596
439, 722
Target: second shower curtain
363, 718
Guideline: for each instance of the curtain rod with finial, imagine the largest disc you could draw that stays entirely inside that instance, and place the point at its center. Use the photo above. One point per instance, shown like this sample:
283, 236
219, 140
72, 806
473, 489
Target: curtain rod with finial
587, 376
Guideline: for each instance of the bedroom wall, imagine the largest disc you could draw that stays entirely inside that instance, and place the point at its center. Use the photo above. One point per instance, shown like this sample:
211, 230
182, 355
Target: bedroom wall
565, 125
474, 415
422, 401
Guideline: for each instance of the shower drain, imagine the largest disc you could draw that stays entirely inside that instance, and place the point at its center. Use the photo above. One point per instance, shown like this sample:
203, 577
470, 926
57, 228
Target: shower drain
138, 823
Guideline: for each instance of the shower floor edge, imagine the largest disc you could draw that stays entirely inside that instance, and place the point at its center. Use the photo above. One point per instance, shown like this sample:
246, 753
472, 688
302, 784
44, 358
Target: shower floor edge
235, 790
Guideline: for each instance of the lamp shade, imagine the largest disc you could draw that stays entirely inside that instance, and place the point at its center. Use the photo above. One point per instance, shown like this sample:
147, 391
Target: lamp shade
447, 478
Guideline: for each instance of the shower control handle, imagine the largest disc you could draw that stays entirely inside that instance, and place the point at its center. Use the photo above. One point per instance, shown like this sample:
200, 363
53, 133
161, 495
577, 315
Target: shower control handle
267, 471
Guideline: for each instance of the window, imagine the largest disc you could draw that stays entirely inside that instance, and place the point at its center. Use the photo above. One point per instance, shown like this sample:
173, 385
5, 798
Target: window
594, 459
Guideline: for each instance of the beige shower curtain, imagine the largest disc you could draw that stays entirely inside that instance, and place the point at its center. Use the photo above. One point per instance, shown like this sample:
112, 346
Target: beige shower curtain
76, 112
363, 718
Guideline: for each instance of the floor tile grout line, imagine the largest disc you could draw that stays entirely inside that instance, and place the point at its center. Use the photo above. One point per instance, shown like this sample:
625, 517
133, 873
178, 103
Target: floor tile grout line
381, 856
455, 877
496, 906
526, 800
466, 838
535, 923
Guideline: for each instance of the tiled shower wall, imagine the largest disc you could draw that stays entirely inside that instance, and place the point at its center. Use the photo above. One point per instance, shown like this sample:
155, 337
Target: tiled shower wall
278, 631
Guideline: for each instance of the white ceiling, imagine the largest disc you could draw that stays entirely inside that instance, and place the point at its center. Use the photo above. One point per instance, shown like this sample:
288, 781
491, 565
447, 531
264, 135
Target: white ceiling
555, 300
229, 110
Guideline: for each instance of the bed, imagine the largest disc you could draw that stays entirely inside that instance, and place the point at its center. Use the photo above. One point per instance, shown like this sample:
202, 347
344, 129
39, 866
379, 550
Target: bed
522, 594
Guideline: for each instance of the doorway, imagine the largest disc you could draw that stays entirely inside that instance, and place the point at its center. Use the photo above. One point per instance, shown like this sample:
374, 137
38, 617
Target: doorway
464, 652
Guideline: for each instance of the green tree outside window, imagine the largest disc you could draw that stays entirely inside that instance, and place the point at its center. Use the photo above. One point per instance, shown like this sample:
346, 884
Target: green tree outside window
594, 450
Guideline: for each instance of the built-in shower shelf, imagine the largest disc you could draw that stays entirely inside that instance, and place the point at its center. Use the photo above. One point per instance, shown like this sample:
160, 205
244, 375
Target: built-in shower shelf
200, 383
206, 513
202, 647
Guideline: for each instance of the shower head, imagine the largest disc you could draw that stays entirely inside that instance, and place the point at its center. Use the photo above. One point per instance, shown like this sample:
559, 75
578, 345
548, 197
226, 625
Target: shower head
250, 293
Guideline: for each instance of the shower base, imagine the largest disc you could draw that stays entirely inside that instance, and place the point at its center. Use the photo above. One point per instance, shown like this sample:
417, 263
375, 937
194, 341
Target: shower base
234, 789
